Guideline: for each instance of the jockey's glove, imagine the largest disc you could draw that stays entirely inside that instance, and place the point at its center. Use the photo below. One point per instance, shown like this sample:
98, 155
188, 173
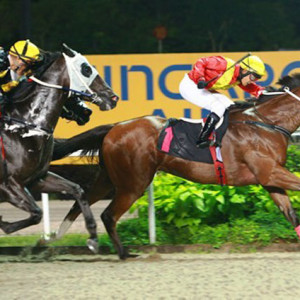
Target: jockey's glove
201, 84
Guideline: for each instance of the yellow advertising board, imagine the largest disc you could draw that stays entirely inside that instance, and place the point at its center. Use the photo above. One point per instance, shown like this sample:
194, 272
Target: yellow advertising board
148, 84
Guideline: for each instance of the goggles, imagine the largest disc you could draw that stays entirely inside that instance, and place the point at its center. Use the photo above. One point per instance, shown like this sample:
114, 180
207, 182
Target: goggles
254, 76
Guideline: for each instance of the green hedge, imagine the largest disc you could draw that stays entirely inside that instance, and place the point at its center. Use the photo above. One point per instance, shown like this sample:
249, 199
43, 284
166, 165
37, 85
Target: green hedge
260, 229
182, 203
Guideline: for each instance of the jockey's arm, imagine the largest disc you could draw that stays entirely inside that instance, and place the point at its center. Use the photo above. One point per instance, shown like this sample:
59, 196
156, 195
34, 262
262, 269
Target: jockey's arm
199, 67
252, 89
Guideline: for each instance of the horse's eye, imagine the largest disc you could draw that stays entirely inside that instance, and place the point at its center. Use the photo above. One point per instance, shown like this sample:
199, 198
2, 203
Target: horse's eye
86, 70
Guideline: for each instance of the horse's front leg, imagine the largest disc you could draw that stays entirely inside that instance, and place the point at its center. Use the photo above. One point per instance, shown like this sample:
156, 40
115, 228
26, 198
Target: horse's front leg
53, 183
269, 173
276, 179
283, 202
15, 194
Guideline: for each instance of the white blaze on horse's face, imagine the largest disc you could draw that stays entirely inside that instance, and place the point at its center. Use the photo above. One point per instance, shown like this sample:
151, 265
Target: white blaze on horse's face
81, 73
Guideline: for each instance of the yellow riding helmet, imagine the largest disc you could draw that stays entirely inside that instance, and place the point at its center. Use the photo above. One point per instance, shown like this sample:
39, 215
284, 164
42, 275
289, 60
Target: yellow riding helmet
26, 51
253, 64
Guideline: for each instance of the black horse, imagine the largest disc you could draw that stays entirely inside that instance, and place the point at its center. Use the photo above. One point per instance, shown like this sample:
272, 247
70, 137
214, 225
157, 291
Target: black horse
27, 133
127, 164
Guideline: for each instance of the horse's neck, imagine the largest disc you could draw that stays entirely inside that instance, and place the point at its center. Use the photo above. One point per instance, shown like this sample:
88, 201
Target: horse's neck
44, 104
282, 111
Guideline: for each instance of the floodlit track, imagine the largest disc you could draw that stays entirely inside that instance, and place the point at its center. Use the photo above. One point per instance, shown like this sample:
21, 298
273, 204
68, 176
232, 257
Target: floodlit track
157, 276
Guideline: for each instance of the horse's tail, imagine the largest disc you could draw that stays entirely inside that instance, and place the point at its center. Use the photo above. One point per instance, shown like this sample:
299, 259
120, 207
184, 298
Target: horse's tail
88, 142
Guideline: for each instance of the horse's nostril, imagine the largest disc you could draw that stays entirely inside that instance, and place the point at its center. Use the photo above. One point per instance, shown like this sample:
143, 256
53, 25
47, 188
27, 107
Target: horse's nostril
115, 98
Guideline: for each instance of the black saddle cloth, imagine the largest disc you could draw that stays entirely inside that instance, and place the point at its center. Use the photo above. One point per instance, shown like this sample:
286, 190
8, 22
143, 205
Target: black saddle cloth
185, 136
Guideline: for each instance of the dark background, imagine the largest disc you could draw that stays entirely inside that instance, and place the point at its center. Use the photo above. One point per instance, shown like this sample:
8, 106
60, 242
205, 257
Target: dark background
119, 26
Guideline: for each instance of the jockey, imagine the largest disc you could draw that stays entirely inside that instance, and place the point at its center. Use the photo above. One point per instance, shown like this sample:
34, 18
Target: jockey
219, 73
16, 64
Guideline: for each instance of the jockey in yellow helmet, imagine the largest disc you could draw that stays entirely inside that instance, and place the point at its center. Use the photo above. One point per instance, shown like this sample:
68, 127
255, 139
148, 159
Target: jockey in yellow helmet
16, 64
213, 73
26, 51
253, 64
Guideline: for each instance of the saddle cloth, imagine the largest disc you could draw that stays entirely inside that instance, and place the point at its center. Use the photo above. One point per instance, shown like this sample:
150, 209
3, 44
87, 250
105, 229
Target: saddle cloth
179, 137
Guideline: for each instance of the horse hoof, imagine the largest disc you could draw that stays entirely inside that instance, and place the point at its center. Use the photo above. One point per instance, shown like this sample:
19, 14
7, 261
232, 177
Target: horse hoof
93, 245
133, 255
5, 226
128, 256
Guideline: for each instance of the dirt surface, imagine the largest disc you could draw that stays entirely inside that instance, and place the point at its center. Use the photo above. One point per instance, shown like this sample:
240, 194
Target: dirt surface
155, 276
272, 275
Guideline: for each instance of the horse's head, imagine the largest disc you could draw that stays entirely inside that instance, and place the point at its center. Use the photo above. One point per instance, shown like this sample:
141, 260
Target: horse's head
291, 82
86, 79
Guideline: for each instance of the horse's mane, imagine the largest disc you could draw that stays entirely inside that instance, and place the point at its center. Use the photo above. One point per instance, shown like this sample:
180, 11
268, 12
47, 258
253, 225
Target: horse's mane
25, 88
48, 59
291, 82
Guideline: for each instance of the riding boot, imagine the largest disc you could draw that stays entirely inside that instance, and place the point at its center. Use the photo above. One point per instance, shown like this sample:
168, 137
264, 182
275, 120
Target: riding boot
208, 128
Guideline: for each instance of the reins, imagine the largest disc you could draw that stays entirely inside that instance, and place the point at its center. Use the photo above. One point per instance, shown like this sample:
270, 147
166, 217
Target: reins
64, 88
269, 126
278, 128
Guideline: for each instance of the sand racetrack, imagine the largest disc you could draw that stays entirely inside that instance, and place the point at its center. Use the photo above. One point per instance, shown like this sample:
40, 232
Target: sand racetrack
154, 276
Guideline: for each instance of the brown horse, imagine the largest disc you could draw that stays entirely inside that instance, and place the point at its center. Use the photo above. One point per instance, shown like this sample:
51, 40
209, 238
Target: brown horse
253, 149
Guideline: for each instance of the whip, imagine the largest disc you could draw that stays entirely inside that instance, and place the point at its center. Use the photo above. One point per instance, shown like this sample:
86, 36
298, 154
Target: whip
237, 62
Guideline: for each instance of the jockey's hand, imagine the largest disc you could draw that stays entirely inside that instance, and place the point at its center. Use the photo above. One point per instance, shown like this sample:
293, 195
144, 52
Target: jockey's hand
252, 99
4, 63
270, 89
201, 84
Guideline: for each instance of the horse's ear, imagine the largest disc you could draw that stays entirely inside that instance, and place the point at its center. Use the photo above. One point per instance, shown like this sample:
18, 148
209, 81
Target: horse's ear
68, 51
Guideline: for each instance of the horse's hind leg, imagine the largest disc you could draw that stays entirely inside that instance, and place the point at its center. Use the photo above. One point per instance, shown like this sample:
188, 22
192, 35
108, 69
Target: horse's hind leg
54, 183
119, 205
101, 189
21, 198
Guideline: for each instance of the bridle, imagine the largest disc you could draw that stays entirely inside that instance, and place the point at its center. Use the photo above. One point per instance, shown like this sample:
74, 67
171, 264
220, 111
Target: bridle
71, 91
92, 95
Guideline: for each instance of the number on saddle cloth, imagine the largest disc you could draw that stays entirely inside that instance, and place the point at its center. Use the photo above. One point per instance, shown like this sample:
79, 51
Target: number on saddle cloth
179, 137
